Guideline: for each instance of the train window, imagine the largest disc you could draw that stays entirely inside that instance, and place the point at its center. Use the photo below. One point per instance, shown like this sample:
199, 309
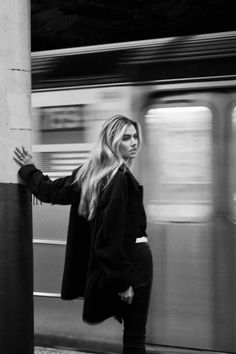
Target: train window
179, 179
60, 138
61, 124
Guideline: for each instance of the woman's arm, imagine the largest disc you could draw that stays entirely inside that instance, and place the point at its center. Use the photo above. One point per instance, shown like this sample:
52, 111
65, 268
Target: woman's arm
60, 191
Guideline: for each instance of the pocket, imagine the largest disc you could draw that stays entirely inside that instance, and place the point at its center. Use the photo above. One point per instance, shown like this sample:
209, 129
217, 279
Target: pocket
142, 266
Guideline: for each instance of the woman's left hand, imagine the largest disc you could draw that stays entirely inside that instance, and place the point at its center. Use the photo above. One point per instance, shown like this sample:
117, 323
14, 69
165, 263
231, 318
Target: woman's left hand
22, 156
127, 295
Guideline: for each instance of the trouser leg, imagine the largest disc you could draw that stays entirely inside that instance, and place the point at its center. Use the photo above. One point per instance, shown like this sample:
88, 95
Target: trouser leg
135, 319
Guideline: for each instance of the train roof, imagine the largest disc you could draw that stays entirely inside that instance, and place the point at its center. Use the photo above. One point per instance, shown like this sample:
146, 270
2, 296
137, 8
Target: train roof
137, 61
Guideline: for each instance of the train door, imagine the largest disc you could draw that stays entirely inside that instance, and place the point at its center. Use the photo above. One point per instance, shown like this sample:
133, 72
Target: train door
187, 174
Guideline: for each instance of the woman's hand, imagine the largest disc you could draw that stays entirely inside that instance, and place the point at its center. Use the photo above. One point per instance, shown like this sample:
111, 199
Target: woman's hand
127, 295
22, 157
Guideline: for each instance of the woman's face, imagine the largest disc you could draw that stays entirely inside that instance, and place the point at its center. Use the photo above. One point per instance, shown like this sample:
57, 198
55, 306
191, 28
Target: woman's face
129, 144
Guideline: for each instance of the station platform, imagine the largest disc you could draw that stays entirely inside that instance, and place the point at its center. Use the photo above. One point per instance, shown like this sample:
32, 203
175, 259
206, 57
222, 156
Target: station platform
42, 350
154, 350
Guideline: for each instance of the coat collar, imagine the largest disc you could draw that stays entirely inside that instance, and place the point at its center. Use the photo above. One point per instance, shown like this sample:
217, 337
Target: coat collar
124, 168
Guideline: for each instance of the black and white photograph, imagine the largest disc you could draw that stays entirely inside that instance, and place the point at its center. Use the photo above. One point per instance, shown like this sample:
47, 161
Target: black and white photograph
118, 177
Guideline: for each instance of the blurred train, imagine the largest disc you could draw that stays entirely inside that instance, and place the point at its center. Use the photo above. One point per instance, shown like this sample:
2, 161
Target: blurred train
182, 90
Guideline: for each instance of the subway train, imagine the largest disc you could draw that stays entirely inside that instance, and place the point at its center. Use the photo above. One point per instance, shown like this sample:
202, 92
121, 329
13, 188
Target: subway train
182, 90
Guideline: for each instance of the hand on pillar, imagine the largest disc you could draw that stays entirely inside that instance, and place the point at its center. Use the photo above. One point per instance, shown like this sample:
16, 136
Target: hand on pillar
22, 156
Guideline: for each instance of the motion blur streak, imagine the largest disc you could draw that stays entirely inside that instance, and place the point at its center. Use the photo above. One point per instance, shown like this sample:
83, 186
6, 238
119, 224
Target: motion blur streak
182, 91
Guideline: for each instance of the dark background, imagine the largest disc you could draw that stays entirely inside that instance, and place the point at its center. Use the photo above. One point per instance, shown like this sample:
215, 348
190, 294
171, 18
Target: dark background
72, 23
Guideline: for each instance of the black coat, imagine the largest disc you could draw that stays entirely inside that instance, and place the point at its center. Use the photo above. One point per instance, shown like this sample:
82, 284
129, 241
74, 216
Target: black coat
97, 262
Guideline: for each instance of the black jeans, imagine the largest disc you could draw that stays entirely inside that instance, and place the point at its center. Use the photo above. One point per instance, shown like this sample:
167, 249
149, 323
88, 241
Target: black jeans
135, 314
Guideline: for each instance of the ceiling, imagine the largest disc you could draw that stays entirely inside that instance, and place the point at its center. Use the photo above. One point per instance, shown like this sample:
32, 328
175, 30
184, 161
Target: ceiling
72, 23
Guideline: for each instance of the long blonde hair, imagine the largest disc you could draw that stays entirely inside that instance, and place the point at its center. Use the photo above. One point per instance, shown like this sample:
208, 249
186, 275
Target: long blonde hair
97, 172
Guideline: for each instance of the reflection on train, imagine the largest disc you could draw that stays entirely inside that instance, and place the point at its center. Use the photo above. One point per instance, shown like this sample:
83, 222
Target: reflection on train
183, 93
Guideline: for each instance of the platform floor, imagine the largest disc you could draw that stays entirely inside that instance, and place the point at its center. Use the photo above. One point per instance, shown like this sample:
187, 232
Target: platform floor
156, 350
41, 350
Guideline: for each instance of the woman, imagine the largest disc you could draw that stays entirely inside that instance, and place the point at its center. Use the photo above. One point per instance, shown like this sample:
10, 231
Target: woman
108, 259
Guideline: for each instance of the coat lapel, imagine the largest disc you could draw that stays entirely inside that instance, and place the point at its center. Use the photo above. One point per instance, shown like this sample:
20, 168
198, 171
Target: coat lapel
133, 180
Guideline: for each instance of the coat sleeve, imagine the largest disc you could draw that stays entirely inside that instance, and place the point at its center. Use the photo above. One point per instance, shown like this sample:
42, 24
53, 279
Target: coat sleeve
114, 220
60, 191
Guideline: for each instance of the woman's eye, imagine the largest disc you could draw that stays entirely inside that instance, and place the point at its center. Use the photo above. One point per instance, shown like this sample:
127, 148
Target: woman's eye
128, 137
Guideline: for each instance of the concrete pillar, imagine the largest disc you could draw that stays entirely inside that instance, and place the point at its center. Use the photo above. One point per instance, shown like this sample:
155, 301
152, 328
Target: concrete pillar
16, 268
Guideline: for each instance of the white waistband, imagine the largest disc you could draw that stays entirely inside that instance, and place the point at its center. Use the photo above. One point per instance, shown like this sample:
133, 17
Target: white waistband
141, 239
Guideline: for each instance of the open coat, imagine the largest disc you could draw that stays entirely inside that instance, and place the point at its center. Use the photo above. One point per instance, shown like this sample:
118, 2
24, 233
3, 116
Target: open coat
97, 263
